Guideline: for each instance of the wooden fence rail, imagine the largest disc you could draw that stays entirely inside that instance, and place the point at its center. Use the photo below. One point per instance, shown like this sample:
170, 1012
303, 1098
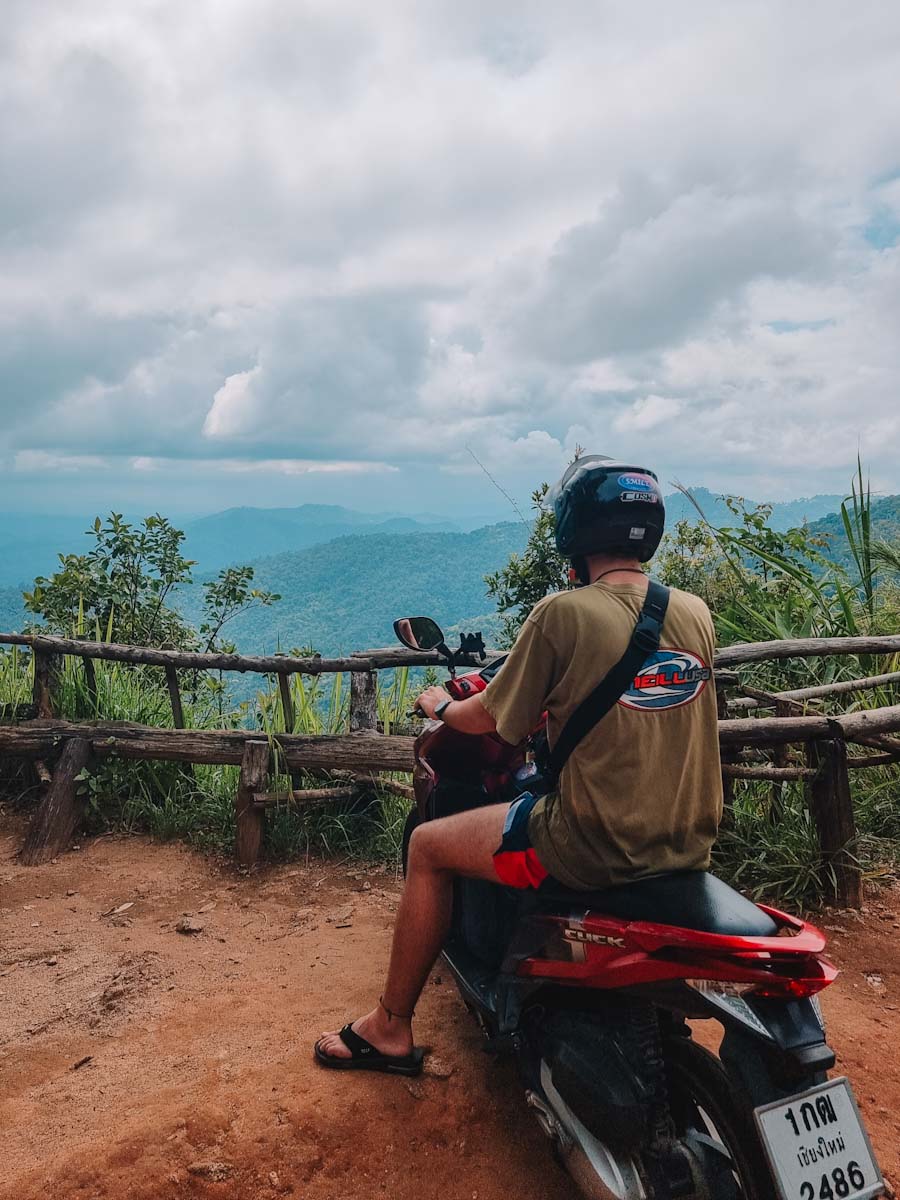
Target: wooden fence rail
364, 754
271, 664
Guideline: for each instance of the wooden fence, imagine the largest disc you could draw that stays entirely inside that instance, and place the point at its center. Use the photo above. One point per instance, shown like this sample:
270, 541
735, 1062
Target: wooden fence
752, 748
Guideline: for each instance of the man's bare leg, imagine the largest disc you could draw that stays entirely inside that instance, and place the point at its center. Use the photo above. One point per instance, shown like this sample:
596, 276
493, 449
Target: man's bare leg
438, 851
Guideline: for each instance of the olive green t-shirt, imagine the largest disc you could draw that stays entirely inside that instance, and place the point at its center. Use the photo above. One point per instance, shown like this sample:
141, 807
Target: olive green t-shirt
641, 794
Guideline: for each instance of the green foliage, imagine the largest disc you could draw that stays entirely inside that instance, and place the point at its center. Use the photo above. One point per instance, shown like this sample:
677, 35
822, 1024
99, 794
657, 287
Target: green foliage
689, 558
763, 584
228, 595
124, 589
15, 681
857, 522
120, 587
769, 855
884, 527
531, 575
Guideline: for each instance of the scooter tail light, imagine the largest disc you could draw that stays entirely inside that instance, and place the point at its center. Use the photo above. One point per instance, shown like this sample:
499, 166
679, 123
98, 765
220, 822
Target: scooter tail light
786, 981
789, 989
721, 987
814, 977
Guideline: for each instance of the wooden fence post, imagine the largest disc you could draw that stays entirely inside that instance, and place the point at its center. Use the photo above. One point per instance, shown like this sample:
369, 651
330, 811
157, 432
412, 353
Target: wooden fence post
728, 754
831, 805
780, 758
46, 670
90, 678
287, 709
175, 697
363, 700
250, 819
57, 814
287, 702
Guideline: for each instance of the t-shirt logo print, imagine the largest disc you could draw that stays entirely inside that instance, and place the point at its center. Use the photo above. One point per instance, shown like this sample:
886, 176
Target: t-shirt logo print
668, 679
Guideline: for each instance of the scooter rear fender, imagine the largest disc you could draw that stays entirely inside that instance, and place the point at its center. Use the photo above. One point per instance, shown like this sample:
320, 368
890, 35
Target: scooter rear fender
590, 950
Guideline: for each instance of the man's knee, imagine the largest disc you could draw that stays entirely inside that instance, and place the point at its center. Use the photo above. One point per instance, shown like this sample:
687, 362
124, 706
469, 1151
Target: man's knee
425, 846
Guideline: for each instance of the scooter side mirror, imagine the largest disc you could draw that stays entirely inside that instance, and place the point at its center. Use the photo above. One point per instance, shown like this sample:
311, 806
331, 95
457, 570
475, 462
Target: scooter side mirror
419, 633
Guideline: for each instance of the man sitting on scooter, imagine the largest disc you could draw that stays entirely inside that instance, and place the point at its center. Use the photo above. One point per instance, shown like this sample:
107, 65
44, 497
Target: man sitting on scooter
641, 793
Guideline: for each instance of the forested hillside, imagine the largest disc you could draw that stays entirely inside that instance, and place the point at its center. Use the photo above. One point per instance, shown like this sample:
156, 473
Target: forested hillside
885, 514
345, 594
12, 611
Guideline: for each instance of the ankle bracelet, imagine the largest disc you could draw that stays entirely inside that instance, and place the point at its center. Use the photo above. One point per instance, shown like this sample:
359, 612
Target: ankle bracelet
391, 1014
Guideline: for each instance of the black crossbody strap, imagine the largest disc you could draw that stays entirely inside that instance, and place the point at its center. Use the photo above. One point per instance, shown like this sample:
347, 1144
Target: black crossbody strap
644, 642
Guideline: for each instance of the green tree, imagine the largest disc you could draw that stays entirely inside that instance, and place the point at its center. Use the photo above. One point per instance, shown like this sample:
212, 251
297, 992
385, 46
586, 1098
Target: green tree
529, 576
120, 587
123, 587
689, 558
225, 597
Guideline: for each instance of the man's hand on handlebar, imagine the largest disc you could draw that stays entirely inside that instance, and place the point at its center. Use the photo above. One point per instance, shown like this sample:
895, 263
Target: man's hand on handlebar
465, 716
430, 699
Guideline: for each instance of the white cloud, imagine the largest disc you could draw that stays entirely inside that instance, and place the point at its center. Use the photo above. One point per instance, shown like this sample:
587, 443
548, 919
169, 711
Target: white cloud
296, 466
354, 234
233, 408
647, 412
31, 461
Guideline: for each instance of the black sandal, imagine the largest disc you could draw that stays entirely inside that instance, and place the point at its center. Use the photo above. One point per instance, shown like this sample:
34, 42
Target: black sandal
366, 1057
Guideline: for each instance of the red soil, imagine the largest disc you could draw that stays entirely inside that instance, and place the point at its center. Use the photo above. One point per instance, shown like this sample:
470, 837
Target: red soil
197, 1077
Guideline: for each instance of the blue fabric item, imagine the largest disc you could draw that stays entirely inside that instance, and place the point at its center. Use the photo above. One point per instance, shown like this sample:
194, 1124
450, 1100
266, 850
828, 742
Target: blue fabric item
515, 827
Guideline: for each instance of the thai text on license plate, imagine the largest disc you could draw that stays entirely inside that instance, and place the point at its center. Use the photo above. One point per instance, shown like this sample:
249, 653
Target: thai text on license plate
817, 1146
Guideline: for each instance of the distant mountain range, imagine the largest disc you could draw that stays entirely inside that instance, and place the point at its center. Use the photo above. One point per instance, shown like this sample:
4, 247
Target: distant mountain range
30, 543
344, 576
786, 514
237, 534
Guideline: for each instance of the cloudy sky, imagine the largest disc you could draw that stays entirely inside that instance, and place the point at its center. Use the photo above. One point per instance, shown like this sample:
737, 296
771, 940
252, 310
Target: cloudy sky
277, 251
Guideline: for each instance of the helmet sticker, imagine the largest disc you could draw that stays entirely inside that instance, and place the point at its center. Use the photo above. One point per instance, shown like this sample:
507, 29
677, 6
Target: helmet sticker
641, 483
647, 497
668, 679
637, 531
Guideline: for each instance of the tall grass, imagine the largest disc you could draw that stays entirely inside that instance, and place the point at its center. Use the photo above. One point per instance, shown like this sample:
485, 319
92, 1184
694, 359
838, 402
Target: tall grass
771, 585
196, 802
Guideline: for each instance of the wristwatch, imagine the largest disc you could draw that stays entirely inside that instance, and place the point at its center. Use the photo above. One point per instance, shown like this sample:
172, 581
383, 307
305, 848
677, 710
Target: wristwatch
441, 708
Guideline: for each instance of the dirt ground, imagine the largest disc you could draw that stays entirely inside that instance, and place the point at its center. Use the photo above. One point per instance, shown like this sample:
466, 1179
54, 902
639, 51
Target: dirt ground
140, 1061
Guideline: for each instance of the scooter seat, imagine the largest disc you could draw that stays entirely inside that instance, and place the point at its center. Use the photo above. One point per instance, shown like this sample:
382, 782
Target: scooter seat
689, 899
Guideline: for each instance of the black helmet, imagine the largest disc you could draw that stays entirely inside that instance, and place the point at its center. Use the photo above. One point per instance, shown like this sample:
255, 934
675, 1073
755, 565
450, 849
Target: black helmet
608, 507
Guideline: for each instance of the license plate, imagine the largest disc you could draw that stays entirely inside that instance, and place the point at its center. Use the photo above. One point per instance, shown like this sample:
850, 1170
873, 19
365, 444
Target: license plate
817, 1147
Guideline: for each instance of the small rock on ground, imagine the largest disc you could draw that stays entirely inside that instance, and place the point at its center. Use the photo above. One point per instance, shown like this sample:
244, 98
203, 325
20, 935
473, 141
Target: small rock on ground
215, 1171
438, 1068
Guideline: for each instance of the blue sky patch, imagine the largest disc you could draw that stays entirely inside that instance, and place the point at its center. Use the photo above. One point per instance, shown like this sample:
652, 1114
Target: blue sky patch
794, 326
883, 230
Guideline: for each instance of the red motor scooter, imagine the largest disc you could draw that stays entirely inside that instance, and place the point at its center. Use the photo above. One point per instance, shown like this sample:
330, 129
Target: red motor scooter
593, 994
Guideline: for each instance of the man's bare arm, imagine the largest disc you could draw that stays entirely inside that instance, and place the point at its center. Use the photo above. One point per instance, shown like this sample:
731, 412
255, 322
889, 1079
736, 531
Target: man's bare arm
469, 716
466, 716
